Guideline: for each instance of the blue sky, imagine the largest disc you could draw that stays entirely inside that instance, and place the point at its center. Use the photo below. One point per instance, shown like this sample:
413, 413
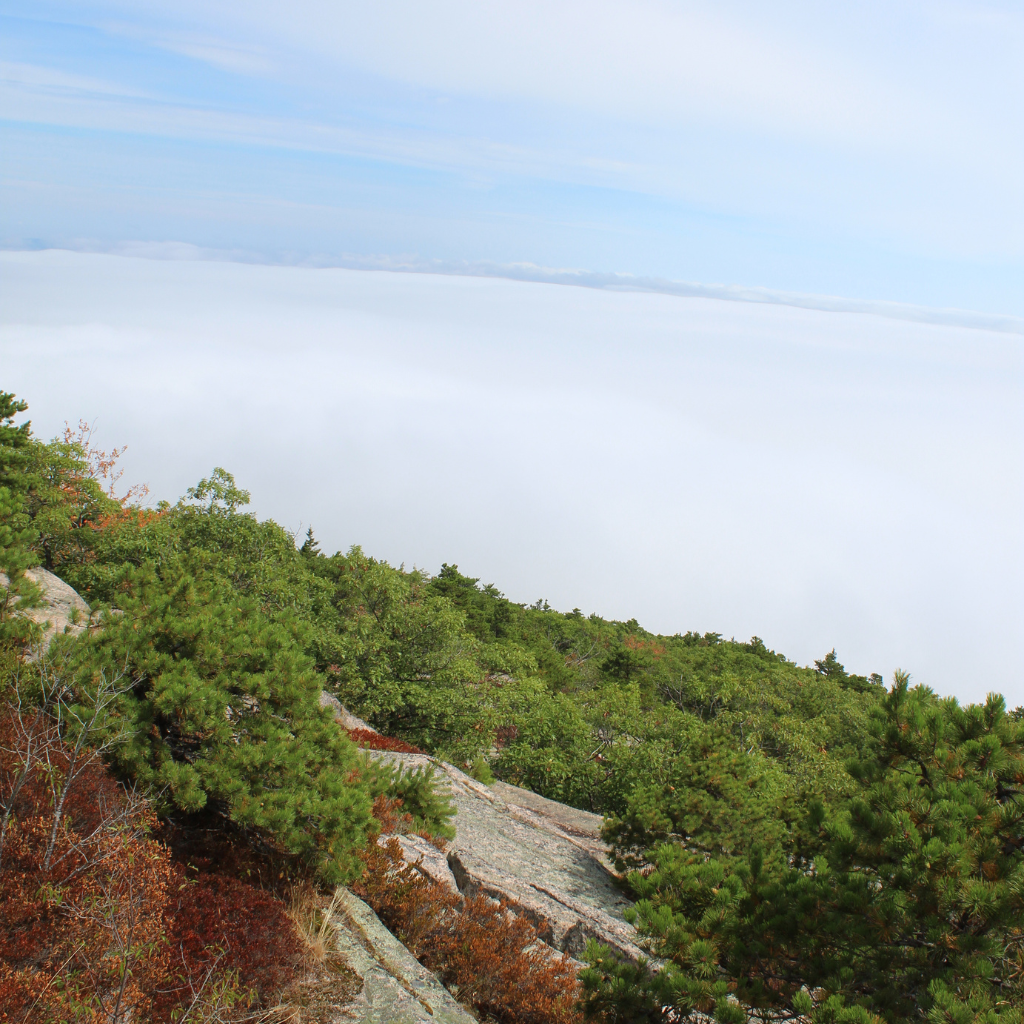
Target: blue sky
873, 151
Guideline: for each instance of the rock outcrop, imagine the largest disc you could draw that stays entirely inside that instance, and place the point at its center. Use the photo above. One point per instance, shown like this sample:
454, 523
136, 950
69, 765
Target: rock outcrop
342, 716
62, 609
513, 845
546, 858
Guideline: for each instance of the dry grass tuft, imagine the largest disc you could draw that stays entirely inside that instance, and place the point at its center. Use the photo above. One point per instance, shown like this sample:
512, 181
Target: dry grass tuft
325, 984
312, 920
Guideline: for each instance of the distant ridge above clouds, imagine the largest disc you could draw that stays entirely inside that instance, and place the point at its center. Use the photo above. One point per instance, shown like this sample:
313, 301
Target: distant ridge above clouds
741, 293
1003, 323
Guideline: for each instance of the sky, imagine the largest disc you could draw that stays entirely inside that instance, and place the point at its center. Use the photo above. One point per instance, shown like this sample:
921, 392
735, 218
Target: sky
710, 314
871, 151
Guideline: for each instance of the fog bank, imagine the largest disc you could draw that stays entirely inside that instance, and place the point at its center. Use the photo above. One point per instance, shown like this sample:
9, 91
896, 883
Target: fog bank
817, 478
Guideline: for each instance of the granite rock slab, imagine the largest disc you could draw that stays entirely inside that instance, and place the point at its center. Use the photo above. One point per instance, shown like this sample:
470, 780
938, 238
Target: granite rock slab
545, 858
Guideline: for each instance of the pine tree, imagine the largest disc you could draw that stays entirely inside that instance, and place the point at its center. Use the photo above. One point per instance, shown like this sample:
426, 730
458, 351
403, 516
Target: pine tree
903, 903
310, 548
224, 714
17, 534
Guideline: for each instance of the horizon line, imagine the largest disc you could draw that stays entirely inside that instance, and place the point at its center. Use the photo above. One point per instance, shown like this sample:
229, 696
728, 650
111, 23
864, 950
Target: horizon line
534, 273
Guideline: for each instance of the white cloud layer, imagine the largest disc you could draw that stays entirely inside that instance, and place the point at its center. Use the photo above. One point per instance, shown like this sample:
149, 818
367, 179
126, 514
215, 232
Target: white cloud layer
817, 478
582, 279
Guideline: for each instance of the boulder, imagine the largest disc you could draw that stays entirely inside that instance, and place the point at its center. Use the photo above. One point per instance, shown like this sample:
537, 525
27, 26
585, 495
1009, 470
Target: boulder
545, 858
427, 859
62, 609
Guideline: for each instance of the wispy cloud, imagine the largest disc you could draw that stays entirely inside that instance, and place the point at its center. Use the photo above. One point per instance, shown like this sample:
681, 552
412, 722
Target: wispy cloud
39, 94
41, 80
217, 51
649, 60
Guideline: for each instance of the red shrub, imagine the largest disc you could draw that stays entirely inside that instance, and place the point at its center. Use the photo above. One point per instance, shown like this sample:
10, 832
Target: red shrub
82, 937
374, 741
112, 929
215, 919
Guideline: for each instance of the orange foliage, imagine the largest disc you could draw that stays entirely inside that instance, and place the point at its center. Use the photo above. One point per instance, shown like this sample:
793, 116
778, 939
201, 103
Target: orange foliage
130, 515
634, 643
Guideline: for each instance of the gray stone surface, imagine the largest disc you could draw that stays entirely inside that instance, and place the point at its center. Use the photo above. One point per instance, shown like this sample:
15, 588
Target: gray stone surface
61, 604
427, 859
570, 819
585, 826
396, 988
342, 715
546, 858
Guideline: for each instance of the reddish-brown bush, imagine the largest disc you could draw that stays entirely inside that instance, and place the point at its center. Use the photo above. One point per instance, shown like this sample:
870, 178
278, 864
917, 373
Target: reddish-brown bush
111, 928
81, 930
505, 735
374, 741
217, 920
484, 952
